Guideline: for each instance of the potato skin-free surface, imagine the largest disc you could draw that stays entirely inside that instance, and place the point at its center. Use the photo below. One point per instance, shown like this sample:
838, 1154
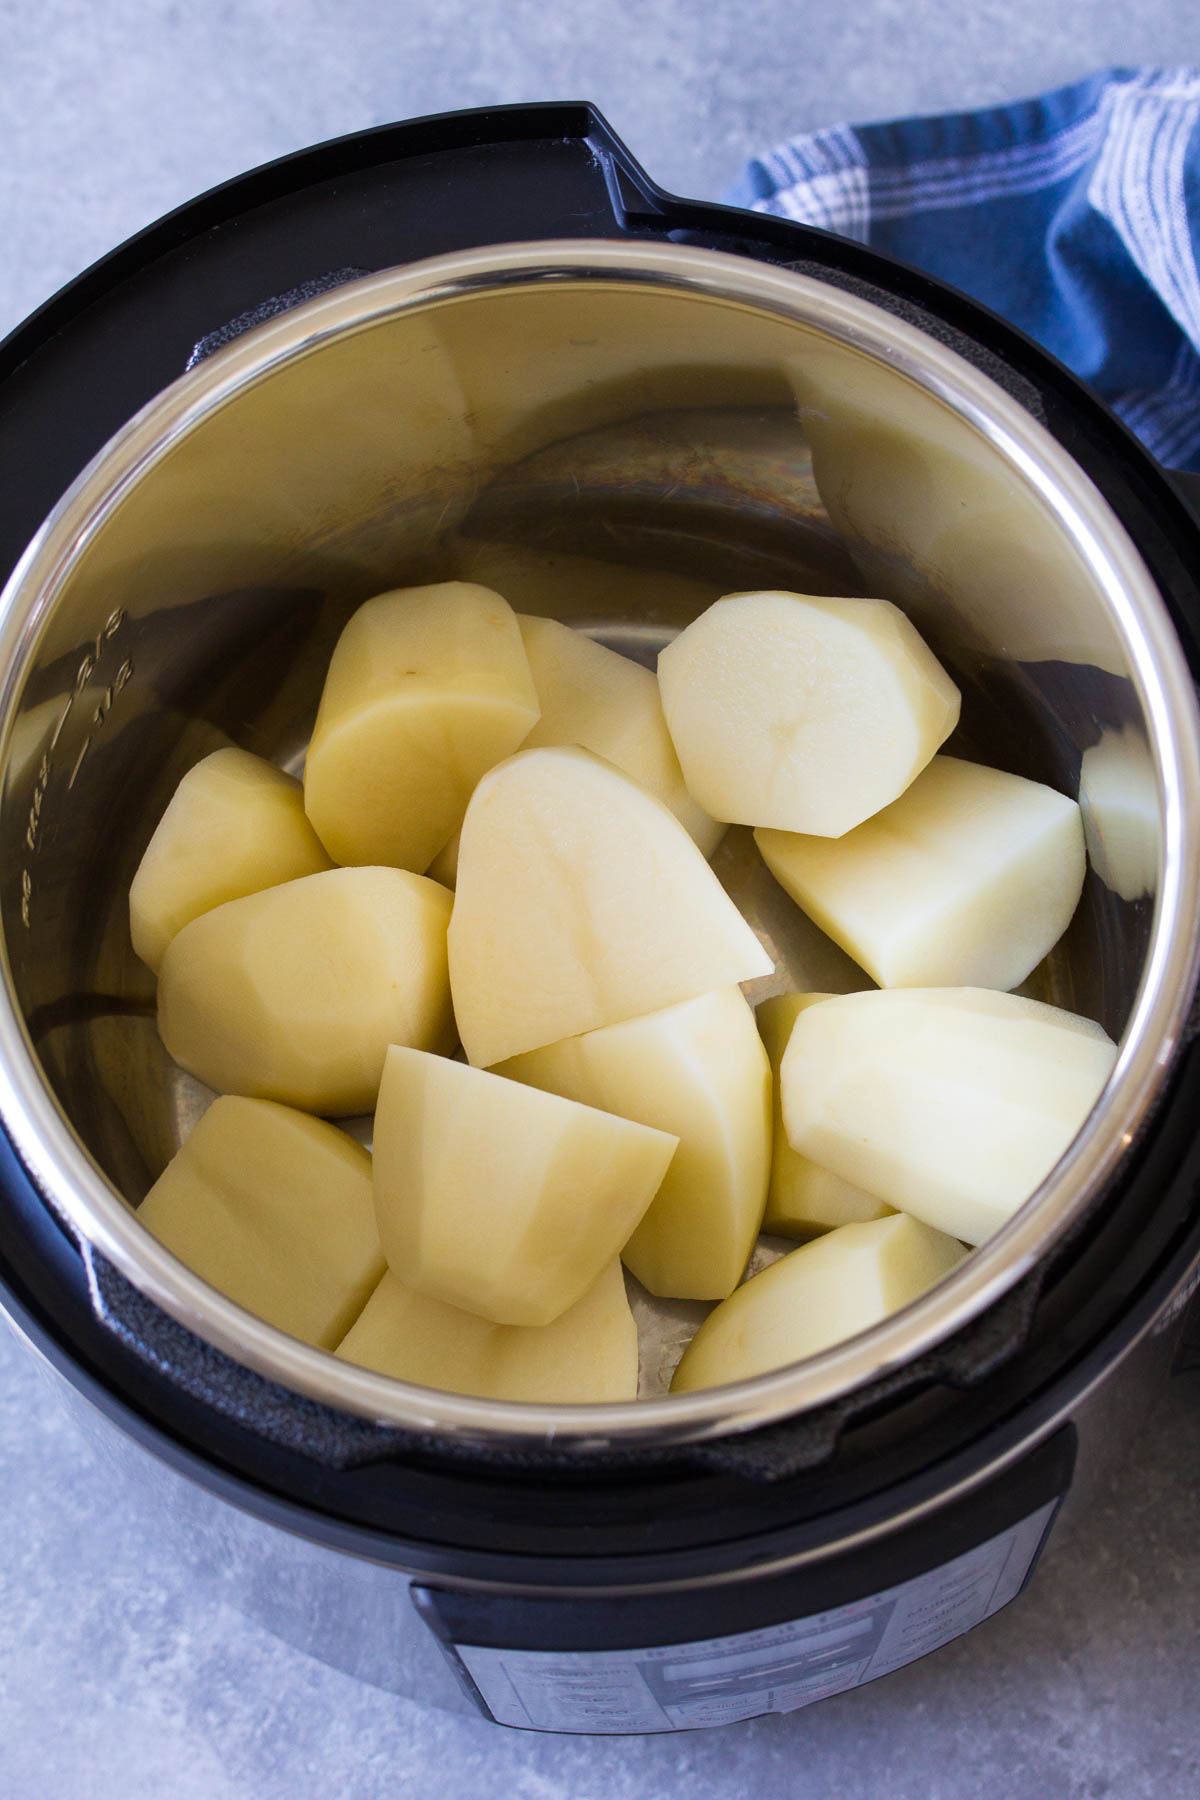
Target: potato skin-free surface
593, 697
500, 1198
803, 1198
274, 1208
698, 1070
581, 902
589, 1354
294, 994
803, 712
235, 824
427, 688
967, 880
811, 1299
951, 1103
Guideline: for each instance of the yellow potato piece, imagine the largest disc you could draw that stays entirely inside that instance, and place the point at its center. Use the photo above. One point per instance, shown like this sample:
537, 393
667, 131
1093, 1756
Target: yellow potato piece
1122, 815
426, 689
593, 697
816, 1296
802, 712
697, 1070
275, 1209
294, 994
803, 1198
588, 1354
967, 880
951, 1103
499, 1198
581, 902
235, 824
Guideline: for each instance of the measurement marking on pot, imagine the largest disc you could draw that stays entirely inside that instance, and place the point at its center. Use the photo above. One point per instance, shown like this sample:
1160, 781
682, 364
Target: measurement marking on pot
84, 676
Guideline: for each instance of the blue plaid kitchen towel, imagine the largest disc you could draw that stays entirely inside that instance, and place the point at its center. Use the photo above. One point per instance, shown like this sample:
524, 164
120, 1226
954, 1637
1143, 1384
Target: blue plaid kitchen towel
1076, 215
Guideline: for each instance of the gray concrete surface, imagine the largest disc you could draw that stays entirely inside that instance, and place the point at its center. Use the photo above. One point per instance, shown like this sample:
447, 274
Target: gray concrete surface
121, 1680
112, 112
118, 1679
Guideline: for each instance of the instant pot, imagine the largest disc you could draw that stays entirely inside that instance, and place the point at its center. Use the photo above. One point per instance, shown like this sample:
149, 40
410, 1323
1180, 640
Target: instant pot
487, 345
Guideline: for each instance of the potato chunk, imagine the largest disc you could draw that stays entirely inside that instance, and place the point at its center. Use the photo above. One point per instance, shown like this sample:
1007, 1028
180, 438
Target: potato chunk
581, 902
967, 880
802, 1197
952, 1103
294, 994
427, 688
595, 698
698, 1070
802, 712
588, 1354
1122, 822
235, 824
499, 1198
275, 1209
814, 1297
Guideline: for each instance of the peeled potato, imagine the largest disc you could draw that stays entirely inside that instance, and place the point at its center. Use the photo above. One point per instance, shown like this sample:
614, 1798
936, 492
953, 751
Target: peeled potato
588, 1354
1118, 797
499, 1198
294, 994
593, 697
427, 688
814, 1297
275, 1209
234, 824
802, 712
697, 1070
967, 880
952, 1103
802, 1197
581, 902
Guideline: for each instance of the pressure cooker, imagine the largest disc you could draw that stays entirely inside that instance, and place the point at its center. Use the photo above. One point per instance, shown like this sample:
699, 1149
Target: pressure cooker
487, 345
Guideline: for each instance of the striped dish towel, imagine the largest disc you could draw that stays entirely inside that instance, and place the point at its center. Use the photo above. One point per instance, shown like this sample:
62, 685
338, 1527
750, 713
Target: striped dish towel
1076, 215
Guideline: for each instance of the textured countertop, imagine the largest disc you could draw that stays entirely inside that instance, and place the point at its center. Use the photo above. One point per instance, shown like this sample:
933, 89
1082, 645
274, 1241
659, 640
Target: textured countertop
119, 1680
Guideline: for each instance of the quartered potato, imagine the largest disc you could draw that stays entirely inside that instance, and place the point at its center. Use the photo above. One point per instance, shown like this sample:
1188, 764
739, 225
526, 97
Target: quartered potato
589, 1354
967, 880
427, 688
1118, 797
235, 824
500, 1198
814, 1297
581, 902
605, 703
802, 1197
275, 1209
951, 1103
698, 1070
618, 1097
802, 712
294, 994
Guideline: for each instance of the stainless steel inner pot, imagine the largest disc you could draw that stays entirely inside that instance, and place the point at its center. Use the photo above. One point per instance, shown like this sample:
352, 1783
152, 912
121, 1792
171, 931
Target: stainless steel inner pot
613, 434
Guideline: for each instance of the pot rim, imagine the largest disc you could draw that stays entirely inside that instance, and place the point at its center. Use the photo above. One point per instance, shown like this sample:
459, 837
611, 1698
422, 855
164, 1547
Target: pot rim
81, 1195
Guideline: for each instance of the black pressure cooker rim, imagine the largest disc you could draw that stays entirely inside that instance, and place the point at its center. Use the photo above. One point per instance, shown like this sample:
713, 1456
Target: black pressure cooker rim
1097, 441
629, 1522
